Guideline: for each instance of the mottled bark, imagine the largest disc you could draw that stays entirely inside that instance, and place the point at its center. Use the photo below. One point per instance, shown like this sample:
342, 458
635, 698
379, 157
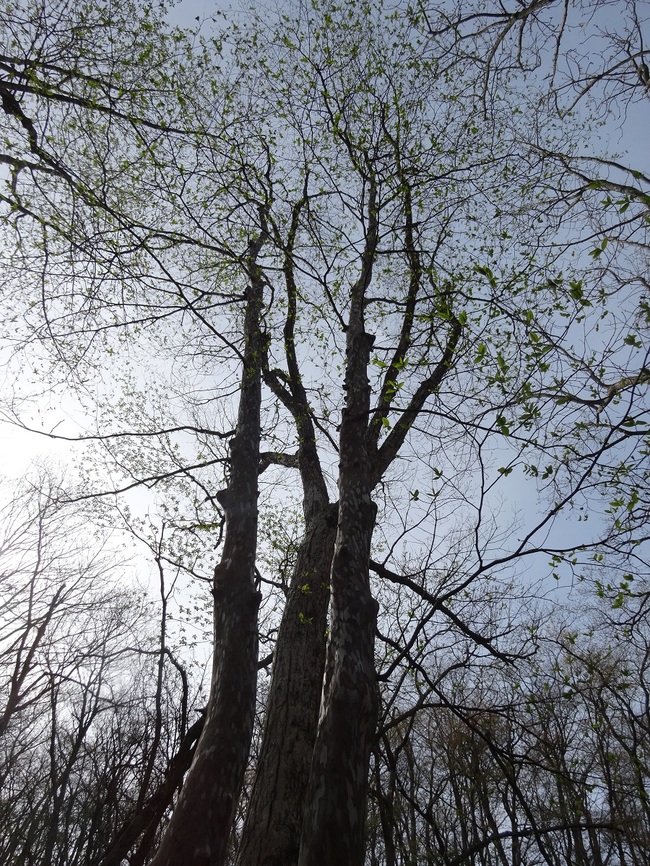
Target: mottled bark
271, 833
336, 796
201, 822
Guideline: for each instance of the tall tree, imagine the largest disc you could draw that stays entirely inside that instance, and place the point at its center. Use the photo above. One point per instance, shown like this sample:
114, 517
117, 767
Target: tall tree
422, 342
215, 779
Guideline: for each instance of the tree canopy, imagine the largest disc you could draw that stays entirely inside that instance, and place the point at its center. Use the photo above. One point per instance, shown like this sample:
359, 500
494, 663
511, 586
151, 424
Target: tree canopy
359, 294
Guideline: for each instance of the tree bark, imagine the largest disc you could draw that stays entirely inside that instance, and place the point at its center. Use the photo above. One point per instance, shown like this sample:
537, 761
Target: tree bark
336, 796
200, 826
271, 833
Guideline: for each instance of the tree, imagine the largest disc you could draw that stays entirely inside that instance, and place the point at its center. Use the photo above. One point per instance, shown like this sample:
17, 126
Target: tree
385, 208
90, 723
216, 776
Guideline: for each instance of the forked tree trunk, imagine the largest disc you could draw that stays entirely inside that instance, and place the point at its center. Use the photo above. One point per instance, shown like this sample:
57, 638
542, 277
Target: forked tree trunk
336, 796
200, 826
271, 832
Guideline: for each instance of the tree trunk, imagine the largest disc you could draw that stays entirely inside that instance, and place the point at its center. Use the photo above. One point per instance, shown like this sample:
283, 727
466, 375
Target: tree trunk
146, 820
271, 833
200, 826
336, 796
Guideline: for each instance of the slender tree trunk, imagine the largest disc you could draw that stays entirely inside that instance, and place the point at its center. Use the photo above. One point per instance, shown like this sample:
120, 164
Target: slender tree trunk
147, 819
200, 825
336, 796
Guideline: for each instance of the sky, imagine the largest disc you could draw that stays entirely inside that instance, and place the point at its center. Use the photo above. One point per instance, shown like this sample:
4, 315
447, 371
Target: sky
625, 134
20, 449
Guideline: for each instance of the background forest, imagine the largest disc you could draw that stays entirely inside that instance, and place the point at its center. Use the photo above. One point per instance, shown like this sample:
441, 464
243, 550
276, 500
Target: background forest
342, 311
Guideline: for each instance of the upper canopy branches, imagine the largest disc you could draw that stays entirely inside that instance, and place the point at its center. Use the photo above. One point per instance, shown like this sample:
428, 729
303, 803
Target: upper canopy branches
139, 159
